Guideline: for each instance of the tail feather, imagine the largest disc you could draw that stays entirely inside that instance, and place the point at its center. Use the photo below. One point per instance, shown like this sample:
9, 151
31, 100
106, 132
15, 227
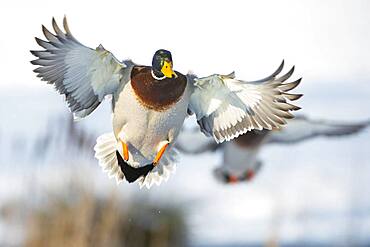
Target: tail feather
105, 151
162, 171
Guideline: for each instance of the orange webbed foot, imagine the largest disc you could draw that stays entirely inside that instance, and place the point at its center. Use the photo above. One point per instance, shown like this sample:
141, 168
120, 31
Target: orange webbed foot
160, 153
125, 150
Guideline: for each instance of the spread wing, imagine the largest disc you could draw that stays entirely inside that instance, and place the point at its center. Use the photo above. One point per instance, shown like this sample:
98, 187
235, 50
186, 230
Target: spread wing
191, 141
302, 128
82, 74
226, 107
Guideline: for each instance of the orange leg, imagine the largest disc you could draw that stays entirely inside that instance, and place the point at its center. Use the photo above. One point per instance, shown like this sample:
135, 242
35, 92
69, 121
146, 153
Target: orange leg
233, 179
159, 154
249, 175
124, 150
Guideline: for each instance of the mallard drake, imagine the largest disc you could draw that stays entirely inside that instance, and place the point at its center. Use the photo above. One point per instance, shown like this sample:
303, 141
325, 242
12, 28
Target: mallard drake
150, 103
240, 156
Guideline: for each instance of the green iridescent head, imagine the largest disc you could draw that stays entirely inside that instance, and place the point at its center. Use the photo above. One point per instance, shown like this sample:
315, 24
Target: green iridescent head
162, 64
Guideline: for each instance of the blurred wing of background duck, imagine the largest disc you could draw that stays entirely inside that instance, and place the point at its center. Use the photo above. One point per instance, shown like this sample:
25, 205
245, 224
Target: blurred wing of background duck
304, 128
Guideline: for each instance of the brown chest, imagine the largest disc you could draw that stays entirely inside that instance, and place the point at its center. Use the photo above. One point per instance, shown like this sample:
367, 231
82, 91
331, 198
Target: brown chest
155, 94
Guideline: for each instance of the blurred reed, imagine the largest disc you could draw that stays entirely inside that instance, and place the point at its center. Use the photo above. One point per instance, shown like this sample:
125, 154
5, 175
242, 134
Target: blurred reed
87, 220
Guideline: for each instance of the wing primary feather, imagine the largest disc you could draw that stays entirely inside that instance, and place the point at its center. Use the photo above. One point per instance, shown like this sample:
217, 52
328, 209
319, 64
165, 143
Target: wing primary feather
292, 97
285, 106
57, 30
287, 75
44, 55
282, 114
290, 86
272, 76
48, 35
44, 44
68, 31
42, 62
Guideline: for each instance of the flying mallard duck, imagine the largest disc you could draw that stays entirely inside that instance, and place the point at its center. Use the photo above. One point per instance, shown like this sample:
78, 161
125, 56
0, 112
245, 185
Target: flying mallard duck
150, 104
240, 156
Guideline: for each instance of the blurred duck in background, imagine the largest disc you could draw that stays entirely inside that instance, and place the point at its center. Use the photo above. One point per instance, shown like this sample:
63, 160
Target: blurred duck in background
240, 156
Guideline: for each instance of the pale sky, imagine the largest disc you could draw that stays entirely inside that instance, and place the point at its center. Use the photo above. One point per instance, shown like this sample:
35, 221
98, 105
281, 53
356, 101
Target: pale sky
326, 40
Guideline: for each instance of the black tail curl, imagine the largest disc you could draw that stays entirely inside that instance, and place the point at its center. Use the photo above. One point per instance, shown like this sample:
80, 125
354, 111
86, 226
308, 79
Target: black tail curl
132, 173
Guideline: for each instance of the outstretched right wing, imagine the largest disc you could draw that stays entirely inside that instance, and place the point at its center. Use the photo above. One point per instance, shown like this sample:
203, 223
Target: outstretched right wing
302, 128
226, 107
82, 74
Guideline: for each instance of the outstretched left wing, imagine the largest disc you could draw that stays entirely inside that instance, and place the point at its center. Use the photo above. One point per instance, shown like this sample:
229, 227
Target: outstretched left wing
84, 75
226, 107
191, 141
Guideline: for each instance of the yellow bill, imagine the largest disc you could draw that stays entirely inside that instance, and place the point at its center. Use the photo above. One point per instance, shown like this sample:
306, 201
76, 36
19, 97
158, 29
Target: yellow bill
167, 70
